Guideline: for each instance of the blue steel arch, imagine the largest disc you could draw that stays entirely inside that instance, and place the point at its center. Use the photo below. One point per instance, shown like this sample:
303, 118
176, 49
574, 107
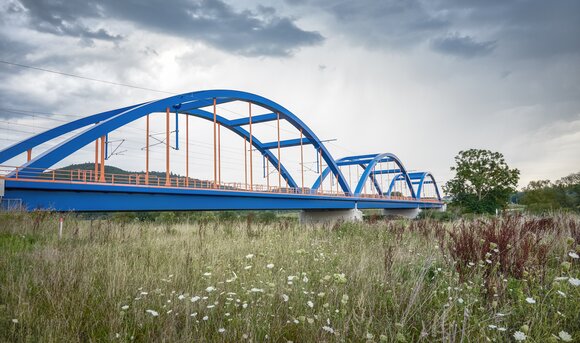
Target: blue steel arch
34, 141
368, 163
422, 176
189, 103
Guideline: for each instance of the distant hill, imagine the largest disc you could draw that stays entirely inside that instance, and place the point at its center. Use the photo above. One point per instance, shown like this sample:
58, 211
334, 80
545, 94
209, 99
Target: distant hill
90, 166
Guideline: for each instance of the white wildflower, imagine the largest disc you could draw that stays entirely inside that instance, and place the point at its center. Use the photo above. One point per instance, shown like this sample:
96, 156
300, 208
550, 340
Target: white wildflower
181, 297
248, 267
285, 297
561, 278
207, 274
310, 304
460, 300
305, 279
245, 305
256, 290
193, 314
210, 306
125, 307
501, 329
328, 329
530, 300
205, 318
566, 337
221, 330
493, 327
14, 320
195, 298
562, 294
340, 278
152, 312
519, 336
574, 282
573, 255
370, 335
249, 256
291, 277
210, 289
144, 293
270, 265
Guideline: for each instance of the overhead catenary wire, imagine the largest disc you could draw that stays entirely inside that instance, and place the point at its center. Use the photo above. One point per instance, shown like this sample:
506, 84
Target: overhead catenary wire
84, 77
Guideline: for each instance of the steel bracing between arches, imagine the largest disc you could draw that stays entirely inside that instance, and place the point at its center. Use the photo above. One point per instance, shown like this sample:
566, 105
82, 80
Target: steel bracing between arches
91, 128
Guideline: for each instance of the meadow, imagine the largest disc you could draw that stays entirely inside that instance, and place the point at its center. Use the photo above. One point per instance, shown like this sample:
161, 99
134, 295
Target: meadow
240, 279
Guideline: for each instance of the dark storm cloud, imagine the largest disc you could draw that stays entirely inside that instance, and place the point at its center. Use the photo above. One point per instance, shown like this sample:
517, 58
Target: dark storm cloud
62, 18
465, 28
385, 23
462, 46
251, 33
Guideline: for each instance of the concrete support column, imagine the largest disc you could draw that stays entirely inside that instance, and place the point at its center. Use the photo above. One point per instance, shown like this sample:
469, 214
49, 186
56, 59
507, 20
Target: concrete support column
329, 216
403, 212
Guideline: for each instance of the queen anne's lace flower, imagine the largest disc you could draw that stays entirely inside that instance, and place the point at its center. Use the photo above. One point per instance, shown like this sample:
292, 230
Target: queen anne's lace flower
152, 312
519, 336
530, 300
564, 336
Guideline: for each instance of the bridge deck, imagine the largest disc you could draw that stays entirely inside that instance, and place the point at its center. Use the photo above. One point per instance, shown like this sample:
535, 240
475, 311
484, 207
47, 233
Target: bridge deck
68, 190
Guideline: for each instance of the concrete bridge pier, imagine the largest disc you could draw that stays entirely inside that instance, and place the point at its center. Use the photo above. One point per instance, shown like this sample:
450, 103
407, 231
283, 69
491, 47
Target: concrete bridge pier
410, 213
330, 216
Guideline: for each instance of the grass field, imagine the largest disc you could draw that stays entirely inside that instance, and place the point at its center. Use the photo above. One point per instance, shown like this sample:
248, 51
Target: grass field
241, 280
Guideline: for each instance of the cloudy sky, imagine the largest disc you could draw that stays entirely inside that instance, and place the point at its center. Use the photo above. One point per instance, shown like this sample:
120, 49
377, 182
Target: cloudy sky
421, 79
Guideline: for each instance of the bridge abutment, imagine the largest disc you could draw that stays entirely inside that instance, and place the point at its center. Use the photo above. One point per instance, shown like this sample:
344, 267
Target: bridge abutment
329, 216
410, 213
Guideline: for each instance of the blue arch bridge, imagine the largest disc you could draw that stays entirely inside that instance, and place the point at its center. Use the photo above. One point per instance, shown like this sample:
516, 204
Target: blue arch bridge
381, 181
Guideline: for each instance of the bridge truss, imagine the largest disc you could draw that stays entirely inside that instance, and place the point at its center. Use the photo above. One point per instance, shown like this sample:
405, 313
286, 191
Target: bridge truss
365, 181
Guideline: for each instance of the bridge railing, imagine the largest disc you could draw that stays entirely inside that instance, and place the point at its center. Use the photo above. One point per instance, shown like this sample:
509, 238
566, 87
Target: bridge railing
85, 176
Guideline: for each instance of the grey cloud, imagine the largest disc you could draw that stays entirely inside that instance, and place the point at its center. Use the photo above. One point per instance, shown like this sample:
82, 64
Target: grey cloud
462, 46
251, 33
386, 24
524, 28
464, 28
62, 18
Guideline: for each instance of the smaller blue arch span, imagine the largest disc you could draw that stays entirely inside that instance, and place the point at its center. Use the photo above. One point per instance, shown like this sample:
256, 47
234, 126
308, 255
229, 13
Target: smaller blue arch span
422, 177
368, 162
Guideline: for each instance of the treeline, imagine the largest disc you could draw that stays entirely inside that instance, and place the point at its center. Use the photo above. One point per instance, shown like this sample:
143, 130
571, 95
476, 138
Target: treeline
545, 196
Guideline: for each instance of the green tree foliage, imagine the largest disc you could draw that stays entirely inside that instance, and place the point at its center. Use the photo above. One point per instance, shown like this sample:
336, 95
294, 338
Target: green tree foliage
543, 195
483, 181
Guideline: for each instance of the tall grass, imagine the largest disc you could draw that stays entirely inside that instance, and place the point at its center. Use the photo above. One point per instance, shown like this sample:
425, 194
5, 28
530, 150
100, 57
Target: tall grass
244, 280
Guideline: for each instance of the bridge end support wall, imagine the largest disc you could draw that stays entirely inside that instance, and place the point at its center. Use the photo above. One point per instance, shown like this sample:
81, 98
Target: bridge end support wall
410, 213
330, 216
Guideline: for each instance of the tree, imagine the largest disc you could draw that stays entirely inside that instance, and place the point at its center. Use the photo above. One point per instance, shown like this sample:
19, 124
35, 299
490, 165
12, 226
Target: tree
483, 181
543, 195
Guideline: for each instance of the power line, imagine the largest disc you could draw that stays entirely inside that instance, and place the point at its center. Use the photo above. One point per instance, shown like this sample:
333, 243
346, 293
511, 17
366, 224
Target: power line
122, 85
85, 77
